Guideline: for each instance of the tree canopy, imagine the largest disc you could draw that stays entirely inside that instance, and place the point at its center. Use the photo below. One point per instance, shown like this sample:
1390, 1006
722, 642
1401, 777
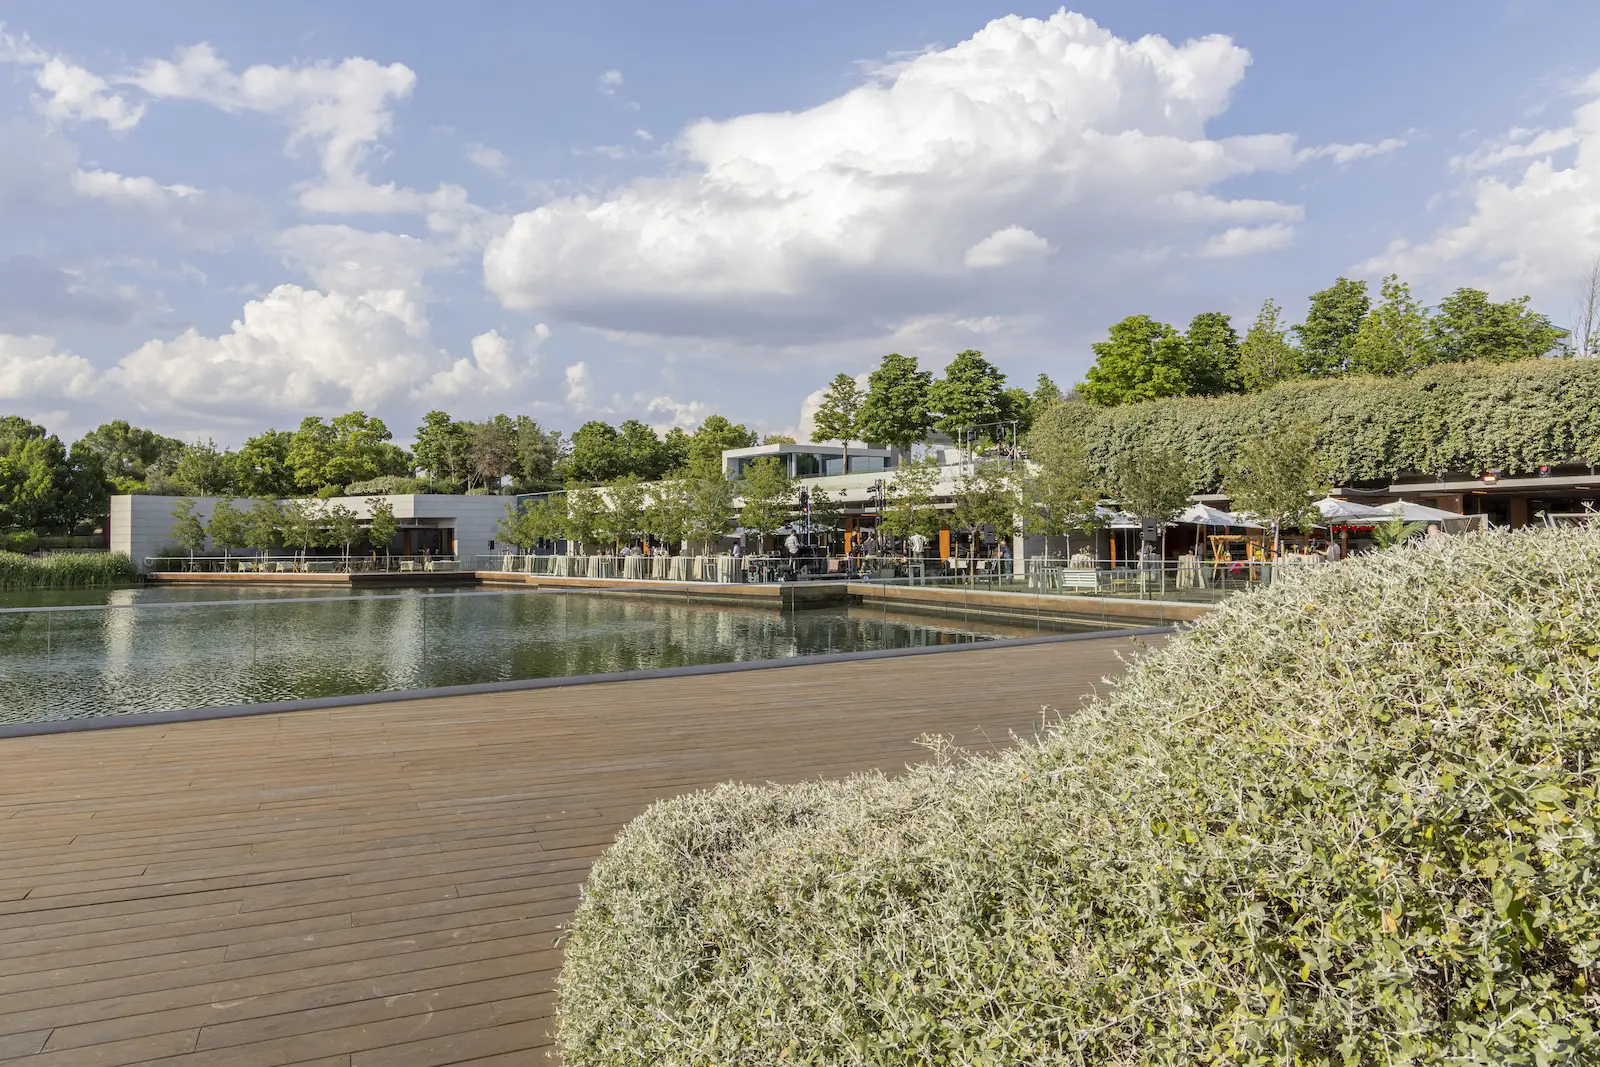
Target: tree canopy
895, 411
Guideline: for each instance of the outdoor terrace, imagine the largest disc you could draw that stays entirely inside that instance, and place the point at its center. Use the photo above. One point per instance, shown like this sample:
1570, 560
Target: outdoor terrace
385, 883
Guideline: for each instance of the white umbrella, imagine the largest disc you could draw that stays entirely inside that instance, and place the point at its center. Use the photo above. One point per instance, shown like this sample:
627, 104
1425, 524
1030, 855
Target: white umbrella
1206, 515
1409, 511
1348, 510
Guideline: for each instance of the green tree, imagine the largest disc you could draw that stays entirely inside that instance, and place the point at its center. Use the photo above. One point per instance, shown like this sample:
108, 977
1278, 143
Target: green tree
895, 409
625, 502
710, 512
667, 513
547, 519
971, 394
129, 453
1057, 494
203, 469
1277, 477
838, 417
491, 451
1155, 483
768, 496
985, 496
1142, 359
826, 512
596, 456
1329, 332
228, 528
301, 523
1267, 357
348, 448
443, 447
778, 439
538, 454
585, 515
910, 507
640, 451
381, 527
340, 528
187, 530
34, 475
1394, 337
85, 495
1213, 346
715, 436
1046, 395
263, 526
1468, 325
262, 467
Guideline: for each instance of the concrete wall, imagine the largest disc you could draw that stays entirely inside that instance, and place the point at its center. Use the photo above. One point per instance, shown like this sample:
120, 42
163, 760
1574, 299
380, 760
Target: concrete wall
141, 526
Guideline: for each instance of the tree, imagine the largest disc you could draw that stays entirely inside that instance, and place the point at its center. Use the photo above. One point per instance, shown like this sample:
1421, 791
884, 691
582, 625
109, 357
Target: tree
33, 474
1276, 477
538, 454
1057, 493
971, 394
187, 530
1394, 337
826, 513
895, 409
128, 453
1155, 483
340, 527
585, 515
623, 518
1329, 332
349, 448
715, 436
985, 497
1586, 314
547, 519
203, 469
910, 508
1468, 325
85, 494
1046, 395
667, 513
768, 496
1141, 360
675, 450
262, 466
443, 447
778, 439
381, 527
263, 526
596, 455
710, 513
1213, 349
839, 415
491, 451
228, 528
301, 524
1267, 357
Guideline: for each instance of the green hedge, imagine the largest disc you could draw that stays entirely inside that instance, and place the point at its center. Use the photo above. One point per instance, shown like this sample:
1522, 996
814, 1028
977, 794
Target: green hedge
1349, 819
67, 571
19, 541
1466, 418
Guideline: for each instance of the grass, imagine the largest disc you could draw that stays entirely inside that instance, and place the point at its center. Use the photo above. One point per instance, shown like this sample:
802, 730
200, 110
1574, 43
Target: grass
1347, 819
66, 571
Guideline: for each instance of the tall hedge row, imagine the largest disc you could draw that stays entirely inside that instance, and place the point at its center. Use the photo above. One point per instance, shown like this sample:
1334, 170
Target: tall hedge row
1349, 819
1465, 418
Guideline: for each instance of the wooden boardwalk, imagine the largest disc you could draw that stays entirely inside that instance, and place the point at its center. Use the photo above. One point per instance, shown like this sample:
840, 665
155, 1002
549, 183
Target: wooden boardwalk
384, 884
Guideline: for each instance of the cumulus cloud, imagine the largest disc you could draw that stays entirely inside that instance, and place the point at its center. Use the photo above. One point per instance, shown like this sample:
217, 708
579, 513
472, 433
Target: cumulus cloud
1534, 216
119, 188
33, 367
488, 158
1248, 241
683, 415
71, 94
1002, 248
610, 82
494, 367
1350, 153
827, 222
343, 259
580, 387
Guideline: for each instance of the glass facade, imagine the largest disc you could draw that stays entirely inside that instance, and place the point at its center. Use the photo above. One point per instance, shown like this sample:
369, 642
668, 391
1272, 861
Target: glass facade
811, 464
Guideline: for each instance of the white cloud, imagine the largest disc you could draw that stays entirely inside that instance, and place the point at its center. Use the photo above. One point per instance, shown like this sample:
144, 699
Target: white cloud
343, 259
197, 218
830, 221
685, 415
1248, 241
1534, 218
580, 387
488, 158
610, 82
1002, 248
121, 189
74, 94
644, 135
32, 367
493, 368
1350, 153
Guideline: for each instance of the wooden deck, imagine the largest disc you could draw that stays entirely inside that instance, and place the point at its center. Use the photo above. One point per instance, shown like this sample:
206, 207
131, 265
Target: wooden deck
384, 884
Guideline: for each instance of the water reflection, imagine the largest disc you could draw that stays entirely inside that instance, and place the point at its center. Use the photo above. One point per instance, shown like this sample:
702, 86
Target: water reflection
68, 664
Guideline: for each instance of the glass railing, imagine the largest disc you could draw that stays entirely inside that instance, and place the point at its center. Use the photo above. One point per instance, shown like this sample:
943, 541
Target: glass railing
353, 564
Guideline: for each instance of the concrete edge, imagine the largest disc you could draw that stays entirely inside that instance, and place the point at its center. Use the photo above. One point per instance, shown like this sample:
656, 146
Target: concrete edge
277, 707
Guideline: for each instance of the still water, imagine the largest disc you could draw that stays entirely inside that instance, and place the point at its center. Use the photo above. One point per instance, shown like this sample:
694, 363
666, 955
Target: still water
141, 650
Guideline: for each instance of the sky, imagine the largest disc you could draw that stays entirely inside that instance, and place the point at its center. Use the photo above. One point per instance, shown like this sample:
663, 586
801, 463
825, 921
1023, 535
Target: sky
218, 218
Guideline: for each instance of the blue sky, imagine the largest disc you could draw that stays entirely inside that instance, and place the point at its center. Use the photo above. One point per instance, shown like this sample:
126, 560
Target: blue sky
216, 218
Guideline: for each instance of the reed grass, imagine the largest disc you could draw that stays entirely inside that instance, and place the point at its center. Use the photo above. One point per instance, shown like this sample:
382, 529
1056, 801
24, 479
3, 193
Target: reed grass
66, 571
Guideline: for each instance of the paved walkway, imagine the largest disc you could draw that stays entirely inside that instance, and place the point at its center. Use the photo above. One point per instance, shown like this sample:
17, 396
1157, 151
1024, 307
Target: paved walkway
383, 885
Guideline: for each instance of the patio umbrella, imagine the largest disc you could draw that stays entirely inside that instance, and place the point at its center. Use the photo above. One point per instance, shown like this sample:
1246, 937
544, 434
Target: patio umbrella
1409, 511
1348, 510
1206, 515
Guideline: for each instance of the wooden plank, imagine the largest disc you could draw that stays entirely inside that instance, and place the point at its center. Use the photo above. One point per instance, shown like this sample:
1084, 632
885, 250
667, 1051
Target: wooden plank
384, 884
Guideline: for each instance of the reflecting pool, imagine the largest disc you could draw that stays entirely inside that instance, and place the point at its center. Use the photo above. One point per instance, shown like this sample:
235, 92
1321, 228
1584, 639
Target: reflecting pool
115, 652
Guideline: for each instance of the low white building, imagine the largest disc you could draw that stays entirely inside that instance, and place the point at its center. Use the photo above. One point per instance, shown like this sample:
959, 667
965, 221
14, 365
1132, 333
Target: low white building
442, 526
